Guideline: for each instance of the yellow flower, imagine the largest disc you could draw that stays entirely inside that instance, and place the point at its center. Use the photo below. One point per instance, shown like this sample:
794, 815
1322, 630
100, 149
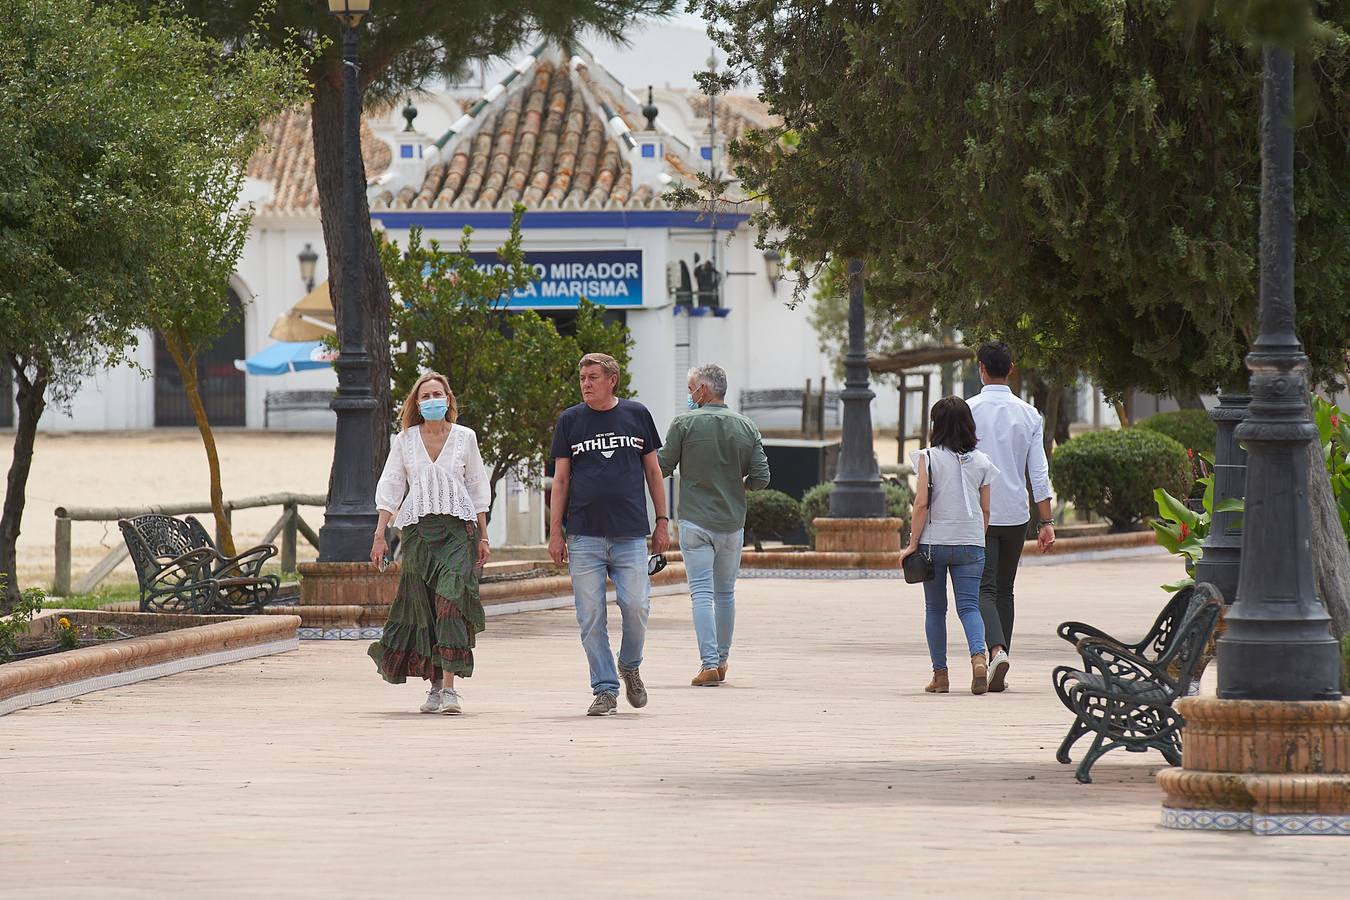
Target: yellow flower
63, 622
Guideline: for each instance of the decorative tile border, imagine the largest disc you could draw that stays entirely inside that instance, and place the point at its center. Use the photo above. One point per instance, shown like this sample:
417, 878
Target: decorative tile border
1206, 819
821, 574
1277, 826
144, 673
1257, 823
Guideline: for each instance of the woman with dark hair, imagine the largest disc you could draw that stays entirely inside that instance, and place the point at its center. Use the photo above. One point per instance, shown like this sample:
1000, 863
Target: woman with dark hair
951, 513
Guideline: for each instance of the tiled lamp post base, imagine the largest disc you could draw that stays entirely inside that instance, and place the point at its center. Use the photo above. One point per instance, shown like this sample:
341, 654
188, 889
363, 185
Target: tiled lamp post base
1270, 767
858, 535
345, 600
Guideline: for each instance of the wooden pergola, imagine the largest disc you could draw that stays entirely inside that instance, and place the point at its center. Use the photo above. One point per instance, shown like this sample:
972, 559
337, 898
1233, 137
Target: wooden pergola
902, 362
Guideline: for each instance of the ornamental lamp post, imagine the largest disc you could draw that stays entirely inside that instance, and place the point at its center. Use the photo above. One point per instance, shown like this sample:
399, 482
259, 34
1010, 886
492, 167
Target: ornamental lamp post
1278, 645
350, 518
857, 487
308, 260
1270, 753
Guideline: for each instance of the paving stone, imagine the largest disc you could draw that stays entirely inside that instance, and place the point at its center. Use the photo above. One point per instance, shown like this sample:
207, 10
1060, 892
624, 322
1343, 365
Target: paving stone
820, 769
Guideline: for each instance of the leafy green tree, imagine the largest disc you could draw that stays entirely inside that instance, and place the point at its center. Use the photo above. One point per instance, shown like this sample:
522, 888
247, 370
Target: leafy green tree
117, 140
512, 372
405, 44
1081, 180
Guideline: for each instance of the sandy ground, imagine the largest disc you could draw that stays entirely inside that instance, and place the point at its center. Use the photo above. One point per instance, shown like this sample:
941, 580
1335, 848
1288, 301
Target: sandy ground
120, 469
819, 770
167, 466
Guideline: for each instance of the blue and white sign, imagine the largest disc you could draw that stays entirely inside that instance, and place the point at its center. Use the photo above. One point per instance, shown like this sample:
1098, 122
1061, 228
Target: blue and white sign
562, 277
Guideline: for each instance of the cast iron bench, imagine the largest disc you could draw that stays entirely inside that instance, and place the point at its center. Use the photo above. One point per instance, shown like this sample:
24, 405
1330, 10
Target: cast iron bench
787, 398
1124, 697
287, 401
181, 571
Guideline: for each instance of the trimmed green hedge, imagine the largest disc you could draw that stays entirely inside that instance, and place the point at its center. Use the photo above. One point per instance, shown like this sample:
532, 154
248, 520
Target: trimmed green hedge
816, 503
1191, 428
770, 513
1114, 473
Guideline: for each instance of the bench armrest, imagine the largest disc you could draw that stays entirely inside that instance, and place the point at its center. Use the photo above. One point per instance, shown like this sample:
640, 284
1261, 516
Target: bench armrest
247, 564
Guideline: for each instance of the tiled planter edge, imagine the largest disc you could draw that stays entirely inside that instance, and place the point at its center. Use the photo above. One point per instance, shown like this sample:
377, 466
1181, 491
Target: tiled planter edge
75, 672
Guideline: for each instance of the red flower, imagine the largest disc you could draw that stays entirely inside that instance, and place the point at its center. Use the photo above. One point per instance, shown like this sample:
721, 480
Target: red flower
1185, 531
1335, 421
1190, 453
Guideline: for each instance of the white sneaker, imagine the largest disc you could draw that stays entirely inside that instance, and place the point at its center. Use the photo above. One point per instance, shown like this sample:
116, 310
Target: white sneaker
998, 672
433, 702
450, 703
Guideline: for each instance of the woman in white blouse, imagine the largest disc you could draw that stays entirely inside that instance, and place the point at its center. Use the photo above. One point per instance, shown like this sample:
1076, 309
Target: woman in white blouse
951, 513
435, 489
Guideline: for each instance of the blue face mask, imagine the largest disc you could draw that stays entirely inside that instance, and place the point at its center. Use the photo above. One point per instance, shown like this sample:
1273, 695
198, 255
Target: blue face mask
434, 410
690, 401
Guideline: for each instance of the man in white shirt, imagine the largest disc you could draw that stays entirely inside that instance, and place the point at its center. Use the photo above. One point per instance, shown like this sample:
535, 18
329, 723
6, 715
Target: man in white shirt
1011, 433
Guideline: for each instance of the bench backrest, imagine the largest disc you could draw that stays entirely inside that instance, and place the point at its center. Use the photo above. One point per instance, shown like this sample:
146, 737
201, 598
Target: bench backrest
155, 539
297, 399
1168, 624
1186, 655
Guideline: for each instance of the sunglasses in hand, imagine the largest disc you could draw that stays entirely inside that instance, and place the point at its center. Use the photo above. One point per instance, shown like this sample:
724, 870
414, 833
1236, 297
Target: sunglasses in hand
656, 563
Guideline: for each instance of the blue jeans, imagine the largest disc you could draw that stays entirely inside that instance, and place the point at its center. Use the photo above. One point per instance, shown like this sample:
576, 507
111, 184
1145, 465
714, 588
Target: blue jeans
711, 561
624, 560
966, 565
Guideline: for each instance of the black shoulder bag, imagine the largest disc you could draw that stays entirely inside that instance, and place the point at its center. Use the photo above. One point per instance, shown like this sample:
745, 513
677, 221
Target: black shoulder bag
918, 565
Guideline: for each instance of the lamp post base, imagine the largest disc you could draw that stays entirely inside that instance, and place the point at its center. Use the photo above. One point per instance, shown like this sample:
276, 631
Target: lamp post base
1266, 766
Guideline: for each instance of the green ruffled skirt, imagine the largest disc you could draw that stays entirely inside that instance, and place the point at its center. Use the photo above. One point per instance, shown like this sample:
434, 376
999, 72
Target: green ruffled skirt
436, 614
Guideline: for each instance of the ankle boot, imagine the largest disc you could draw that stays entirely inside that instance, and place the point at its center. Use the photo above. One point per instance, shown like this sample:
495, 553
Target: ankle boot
939, 684
979, 670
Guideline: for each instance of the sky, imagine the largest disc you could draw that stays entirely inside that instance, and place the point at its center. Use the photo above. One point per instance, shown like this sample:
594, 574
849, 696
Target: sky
660, 53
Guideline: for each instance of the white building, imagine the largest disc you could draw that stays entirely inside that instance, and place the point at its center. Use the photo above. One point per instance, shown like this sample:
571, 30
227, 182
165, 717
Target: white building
563, 136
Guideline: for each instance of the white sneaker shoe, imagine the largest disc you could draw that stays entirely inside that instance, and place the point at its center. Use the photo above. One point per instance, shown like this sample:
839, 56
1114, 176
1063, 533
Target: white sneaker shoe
433, 702
998, 673
450, 703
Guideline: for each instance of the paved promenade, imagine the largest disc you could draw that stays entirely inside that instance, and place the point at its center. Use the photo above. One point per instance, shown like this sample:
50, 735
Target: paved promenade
820, 770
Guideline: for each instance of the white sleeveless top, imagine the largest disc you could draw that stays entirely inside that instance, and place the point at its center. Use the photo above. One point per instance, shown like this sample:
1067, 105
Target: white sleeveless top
955, 517
413, 485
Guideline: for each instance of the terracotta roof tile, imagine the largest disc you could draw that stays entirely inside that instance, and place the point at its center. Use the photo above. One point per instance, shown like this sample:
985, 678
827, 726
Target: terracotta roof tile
287, 161
545, 147
736, 113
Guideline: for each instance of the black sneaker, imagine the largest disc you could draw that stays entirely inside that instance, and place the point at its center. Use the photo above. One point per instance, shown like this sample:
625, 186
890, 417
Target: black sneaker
634, 689
603, 705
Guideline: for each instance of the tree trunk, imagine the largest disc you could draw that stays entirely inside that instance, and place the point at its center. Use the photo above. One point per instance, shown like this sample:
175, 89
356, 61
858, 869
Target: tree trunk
187, 370
1331, 556
32, 401
326, 128
1189, 400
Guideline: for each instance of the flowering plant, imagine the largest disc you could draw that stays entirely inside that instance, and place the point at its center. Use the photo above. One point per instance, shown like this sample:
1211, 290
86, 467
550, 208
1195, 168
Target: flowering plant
1333, 430
66, 635
1183, 530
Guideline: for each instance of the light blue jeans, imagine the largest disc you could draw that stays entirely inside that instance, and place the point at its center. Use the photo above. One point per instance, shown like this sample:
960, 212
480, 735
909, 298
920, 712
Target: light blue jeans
624, 560
711, 561
965, 564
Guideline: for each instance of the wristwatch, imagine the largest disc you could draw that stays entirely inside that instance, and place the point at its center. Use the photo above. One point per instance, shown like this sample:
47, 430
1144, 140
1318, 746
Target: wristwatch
1047, 523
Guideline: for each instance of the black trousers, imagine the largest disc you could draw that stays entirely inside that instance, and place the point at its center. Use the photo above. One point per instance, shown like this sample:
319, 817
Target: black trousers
1002, 552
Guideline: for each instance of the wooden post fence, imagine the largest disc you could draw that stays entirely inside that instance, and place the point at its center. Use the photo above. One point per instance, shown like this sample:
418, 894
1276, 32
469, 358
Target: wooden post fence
288, 526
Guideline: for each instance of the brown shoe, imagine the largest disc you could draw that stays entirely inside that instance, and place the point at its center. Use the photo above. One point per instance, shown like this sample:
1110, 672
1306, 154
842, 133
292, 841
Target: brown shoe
706, 678
939, 684
722, 672
979, 669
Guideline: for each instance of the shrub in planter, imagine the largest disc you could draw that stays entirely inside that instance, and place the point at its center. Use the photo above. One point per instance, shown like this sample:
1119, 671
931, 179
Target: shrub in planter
1114, 473
816, 503
1191, 428
770, 513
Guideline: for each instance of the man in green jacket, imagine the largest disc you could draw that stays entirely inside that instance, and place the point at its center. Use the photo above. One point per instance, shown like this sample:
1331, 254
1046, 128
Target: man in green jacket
719, 453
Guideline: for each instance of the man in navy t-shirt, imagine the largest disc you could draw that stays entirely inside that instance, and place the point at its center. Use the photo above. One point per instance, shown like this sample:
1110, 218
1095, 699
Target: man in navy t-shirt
604, 453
